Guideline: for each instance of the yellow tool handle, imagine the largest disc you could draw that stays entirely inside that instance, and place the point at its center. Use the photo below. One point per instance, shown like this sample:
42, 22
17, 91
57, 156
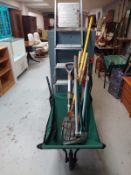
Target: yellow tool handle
79, 59
83, 68
85, 46
83, 57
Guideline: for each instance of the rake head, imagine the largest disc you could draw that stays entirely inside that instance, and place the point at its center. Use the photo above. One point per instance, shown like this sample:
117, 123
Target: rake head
68, 132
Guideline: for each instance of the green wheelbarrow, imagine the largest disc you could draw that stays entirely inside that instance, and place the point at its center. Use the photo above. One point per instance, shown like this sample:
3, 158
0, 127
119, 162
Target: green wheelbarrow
52, 136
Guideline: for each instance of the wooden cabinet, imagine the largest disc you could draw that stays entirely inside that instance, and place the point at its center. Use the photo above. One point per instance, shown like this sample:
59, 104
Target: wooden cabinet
16, 23
29, 25
126, 94
6, 75
47, 21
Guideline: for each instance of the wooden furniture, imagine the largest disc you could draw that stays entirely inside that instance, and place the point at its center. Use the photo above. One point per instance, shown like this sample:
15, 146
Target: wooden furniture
29, 25
47, 18
6, 75
17, 54
28, 46
99, 66
126, 94
106, 50
43, 35
122, 42
16, 23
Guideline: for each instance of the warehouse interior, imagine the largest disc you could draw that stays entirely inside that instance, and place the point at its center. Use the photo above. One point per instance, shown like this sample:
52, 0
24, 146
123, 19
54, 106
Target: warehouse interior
39, 39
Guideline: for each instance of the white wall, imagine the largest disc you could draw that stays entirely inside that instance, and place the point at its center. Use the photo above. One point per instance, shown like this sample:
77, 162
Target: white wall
129, 32
96, 11
12, 3
39, 16
26, 11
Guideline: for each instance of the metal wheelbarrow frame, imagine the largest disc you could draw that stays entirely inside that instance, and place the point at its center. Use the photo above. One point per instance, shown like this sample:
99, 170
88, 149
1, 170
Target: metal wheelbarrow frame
52, 136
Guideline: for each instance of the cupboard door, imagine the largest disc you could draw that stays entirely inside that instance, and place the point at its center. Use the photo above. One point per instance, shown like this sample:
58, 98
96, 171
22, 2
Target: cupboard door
16, 23
2, 31
5, 23
29, 25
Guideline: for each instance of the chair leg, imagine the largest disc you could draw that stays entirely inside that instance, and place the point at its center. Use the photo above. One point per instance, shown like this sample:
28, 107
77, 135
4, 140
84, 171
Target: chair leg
99, 71
95, 66
105, 80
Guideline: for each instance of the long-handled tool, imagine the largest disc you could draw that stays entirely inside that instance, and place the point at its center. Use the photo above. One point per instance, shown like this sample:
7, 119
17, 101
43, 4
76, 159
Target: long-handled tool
50, 90
52, 130
85, 96
69, 68
83, 69
82, 60
85, 47
76, 97
80, 135
68, 125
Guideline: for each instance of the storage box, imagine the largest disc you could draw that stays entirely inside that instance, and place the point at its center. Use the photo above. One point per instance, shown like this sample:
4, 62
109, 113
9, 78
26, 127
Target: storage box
116, 83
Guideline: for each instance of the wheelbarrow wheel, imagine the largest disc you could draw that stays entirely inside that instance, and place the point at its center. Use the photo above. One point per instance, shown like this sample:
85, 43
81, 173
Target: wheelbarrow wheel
72, 161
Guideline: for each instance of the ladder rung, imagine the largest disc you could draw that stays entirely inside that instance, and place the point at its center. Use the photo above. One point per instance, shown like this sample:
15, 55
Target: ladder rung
68, 46
60, 66
61, 82
60, 29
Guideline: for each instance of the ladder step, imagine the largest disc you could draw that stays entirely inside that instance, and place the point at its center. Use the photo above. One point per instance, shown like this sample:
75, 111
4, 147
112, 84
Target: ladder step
62, 29
60, 66
68, 47
61, 82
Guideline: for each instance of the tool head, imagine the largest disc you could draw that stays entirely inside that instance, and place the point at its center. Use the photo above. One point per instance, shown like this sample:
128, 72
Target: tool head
69, 137
68, 129
69, 67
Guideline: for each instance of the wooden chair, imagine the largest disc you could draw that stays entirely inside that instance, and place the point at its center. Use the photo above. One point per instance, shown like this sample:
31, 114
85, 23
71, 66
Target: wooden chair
99, 66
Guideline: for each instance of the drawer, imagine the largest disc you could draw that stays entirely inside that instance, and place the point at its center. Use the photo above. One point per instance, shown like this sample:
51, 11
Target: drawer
127, 88
126, 104
20, 66
126, 91
0, 86
126, 95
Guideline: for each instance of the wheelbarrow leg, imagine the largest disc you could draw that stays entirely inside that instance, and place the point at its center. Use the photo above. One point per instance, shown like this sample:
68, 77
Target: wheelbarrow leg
71, 157
66, 155
75, 154
72, 161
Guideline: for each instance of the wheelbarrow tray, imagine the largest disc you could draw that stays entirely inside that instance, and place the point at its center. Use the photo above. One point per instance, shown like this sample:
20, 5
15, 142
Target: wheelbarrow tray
52, 136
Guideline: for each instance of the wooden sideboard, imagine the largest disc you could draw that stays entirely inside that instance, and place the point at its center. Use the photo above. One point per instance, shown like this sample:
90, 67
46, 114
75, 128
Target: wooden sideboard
6, 74
126, 94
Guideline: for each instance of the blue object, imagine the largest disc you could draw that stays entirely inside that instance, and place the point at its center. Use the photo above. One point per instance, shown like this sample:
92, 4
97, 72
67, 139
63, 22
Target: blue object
116, 82
64, 55
113, 61
5, 26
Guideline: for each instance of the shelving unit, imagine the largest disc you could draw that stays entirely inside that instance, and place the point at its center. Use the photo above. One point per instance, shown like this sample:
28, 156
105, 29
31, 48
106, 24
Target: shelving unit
6, 75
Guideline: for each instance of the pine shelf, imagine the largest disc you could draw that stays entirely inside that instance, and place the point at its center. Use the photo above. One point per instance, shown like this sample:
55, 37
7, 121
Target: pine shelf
6, 74
3, 60
4, 71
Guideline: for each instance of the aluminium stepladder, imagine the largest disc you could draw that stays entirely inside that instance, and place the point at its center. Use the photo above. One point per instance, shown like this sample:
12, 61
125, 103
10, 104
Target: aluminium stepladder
58, 27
